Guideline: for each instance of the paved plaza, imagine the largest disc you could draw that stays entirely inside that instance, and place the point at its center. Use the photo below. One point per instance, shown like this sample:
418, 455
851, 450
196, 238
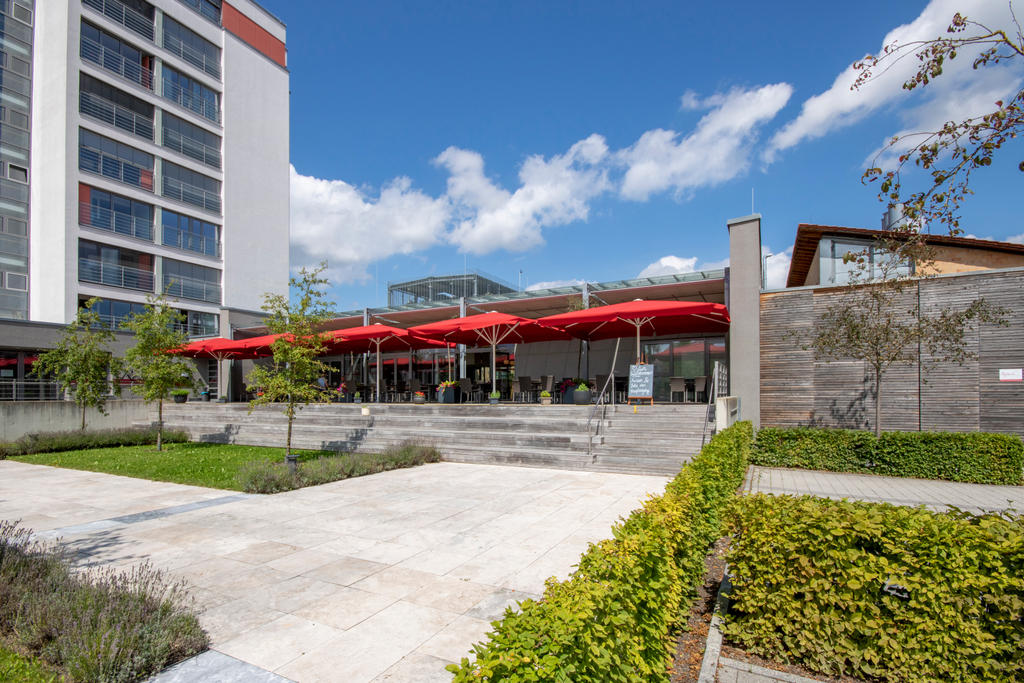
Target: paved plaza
381, 578
935, 495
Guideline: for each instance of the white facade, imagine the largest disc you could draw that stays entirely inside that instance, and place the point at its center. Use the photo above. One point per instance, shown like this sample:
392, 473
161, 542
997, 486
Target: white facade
157, 164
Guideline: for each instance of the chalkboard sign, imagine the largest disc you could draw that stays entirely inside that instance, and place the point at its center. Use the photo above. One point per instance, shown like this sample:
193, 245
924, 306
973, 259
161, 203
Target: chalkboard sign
641, 381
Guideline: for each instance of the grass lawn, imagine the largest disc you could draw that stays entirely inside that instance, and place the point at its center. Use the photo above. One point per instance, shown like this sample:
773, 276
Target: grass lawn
198, 464
15, 668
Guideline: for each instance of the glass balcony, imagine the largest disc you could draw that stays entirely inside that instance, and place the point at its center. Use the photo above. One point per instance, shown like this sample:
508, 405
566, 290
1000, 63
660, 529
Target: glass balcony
199, 151
191, 288
190, 194
124, 15
117, 169
115, 221
190, 241
115, 115
114, 275
194, 57
111, 61
191, 101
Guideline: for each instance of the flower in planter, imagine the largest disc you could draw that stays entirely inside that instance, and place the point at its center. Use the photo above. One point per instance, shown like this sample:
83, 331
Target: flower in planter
419, 394
445, 384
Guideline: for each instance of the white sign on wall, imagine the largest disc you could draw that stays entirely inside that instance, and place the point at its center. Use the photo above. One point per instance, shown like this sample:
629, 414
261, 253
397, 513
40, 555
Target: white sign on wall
1011, 375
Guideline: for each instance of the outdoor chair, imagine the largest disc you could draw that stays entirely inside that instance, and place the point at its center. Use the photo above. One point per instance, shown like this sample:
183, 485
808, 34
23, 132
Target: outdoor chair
524, 388
599, 383
699, 387
466, 387
414, 386
677, 385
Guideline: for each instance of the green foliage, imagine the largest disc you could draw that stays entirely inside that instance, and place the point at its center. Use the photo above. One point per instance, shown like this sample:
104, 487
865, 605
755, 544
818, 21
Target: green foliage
610, 620
109, 625
18, 669
976, 457
180, 392
265, 476
877, 591
290, 378
52, 442
81, 362
495, 394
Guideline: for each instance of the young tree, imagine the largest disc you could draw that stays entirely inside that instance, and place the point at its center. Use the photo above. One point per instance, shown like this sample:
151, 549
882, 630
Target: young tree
290, 378
81, 362
874, 320
158, 331
954, 151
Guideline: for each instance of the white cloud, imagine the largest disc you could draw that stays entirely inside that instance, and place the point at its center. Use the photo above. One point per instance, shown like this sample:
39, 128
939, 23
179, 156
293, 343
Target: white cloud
691, 101
718, 150
961, 91
670, 265
553, 192
333, 220
776, 267
1016, 239
554, 284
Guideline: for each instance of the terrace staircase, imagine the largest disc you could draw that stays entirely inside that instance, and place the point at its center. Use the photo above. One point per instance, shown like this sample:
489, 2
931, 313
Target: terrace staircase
654, 440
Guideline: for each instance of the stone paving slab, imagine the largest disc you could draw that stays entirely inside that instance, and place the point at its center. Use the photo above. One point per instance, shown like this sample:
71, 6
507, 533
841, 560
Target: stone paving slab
935, 495
387, 577
734, 671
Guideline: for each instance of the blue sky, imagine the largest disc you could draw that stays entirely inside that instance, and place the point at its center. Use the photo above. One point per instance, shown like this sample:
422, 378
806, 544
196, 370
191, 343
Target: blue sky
599, 140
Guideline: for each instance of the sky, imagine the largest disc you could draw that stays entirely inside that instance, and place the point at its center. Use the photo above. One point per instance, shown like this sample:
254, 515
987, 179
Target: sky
547, 143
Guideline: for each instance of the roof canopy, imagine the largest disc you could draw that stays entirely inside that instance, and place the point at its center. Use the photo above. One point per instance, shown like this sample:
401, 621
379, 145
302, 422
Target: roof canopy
489, 329
651, 318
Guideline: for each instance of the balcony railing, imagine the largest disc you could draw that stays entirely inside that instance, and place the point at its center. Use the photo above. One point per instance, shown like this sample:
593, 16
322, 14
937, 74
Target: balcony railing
189, 241
199, 151
115, 115
192, 55
115, 221
209, 11
197, 329
112, 167
13, 390
189, 100
114, 275
123, 15
190, 194
191, 288
112, 61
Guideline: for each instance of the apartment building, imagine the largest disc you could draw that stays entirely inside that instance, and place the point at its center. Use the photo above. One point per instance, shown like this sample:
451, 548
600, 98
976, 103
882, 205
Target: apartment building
144, 148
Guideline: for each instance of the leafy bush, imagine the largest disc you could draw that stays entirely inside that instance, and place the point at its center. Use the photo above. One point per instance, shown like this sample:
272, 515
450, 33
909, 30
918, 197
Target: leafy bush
14, 667
877, 591
610, 620
263, 476
976, 457
53, 442
107, 625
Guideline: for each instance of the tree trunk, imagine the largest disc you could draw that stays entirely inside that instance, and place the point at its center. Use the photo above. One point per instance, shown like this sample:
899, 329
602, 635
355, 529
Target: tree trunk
160, 425
83, 418
878, 402
288, 445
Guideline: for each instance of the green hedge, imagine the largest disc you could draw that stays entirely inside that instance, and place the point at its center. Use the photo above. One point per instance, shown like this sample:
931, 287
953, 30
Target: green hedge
610, 620
53, 442
877, 591
976, 457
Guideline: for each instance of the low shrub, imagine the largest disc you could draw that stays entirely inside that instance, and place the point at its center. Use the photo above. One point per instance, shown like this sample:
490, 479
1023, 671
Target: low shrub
610, 620
263, 476
108, 625
877, 591
53, 442
975, 457
14, 667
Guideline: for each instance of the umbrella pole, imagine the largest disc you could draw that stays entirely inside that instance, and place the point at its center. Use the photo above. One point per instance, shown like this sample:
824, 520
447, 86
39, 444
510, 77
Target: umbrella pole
378, 372
494, 376
638, 344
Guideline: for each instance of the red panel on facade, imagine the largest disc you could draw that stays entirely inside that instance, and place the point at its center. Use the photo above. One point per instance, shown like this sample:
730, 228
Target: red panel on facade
253, 34
84, 198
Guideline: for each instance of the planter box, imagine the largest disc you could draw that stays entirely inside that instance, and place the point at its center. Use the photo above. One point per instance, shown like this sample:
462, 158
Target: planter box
581, 398
179, 398
545, 400
419, 400
447, 395
494, 401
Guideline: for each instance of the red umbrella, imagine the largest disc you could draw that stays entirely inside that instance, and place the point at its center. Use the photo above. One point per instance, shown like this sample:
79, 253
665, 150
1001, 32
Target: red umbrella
381, 338
653, 317
492, 329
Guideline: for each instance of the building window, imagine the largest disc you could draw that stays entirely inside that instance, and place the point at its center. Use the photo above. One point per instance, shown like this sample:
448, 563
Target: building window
114, 314
191, 94
191, 281
136, 15
109, 52
112, 159
190, 140
16, 281
106, 211
193, 234
115, 107
841, 261
191, 47
17, 173
208, 8
106, 265
190, 187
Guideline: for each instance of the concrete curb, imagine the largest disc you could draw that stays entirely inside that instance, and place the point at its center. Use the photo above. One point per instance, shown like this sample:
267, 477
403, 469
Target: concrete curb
713, 646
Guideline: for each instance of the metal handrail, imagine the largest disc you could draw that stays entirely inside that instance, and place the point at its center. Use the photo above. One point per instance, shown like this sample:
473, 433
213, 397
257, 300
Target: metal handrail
115, 221
114, 275
192, 288
191, 242
191, 55
717, 373
175, 93
190, 194
115, 115
21, 390
111, 61
108, 166
190, 147
600, 401
123, 15
203, 9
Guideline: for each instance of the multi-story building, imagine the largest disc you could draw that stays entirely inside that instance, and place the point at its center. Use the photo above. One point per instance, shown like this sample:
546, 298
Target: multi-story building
144, 149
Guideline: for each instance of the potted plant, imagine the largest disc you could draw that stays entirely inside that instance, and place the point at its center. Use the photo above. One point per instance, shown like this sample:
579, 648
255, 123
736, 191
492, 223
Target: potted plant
545, 398
581, 395
446, 391
494, 396
419, 397
357, 397
179, 395
566, 387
